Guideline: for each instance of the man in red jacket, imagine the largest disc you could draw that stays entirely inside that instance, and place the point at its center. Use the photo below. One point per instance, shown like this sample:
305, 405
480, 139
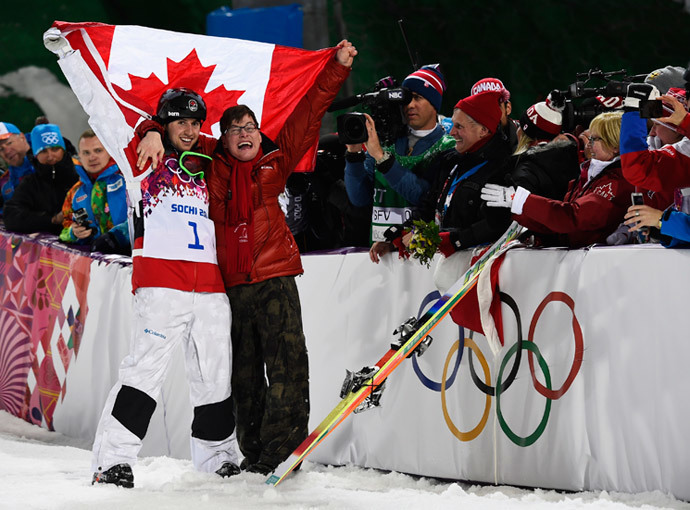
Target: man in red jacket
259, 260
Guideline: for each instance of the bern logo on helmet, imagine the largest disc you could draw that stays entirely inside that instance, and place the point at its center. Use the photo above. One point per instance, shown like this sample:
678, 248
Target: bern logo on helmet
193, 105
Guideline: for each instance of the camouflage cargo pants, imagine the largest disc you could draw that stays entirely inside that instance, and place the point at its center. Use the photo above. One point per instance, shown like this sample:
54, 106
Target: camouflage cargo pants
270, 373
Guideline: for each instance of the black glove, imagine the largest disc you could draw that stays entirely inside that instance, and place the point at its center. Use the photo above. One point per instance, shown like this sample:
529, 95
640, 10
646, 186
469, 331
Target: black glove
392, 233
638, 92
106, 243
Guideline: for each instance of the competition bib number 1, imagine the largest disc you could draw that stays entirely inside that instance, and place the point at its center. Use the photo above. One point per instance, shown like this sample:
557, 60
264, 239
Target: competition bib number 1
178, 228
196, 245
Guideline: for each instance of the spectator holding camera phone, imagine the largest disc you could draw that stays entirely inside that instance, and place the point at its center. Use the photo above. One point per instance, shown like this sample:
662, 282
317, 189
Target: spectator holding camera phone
395, 178
95, 208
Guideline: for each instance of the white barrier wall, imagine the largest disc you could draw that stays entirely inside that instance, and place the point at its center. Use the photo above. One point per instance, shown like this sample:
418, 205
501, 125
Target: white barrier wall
596, 401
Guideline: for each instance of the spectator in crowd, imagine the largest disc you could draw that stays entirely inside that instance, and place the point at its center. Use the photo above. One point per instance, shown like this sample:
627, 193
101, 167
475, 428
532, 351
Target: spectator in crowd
396, 177
508, 125
658, 167
480, 155
545, 161
666, 78
16, 151
317, 209
259, 260
95, 209
665, 168
595, 202
179, 297
36, 205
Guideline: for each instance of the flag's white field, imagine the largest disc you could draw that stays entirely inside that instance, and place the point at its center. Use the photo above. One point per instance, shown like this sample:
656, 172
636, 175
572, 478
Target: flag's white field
238, 65
46, 470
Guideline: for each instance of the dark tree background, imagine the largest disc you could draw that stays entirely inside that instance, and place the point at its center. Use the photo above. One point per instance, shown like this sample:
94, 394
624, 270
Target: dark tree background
532, 46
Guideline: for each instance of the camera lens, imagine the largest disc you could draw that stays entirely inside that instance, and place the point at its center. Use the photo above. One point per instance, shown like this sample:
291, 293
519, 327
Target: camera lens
355, 128
352, 128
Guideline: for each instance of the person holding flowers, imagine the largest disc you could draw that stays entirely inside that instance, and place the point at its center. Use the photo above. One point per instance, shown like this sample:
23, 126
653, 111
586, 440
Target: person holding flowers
452, 207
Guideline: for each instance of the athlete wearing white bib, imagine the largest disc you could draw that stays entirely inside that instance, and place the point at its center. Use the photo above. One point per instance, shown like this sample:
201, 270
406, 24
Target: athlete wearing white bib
179, 298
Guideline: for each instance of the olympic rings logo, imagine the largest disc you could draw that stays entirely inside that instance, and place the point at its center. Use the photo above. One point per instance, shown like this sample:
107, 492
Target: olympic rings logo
173, 165
502, 385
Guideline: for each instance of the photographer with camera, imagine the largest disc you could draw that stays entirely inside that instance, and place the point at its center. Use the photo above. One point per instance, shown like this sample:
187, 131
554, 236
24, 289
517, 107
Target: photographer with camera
395, 177
95, 208
661, 169
664, 170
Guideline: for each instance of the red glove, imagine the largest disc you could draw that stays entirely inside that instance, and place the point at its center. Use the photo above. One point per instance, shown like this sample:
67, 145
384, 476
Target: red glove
446, 247
402, 251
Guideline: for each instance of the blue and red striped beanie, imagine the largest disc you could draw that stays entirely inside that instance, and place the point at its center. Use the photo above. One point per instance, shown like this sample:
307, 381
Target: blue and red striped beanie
427, 81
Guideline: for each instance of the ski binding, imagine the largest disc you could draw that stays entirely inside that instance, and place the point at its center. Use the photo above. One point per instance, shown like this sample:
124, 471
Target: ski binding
406, 330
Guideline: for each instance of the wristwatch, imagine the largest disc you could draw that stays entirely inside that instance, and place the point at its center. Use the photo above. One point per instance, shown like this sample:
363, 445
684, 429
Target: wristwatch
386, 156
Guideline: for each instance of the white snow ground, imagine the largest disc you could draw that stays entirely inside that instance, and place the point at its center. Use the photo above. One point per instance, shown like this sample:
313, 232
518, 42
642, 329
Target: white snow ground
46, 470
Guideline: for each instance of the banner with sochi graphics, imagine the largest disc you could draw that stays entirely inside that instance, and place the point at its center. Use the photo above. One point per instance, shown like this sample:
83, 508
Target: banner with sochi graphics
587, 392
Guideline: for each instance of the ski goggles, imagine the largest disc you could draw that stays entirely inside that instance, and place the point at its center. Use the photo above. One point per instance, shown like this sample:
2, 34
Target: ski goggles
194, 164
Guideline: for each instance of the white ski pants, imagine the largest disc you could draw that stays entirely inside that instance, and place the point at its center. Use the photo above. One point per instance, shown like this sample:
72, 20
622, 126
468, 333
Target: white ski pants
164, 318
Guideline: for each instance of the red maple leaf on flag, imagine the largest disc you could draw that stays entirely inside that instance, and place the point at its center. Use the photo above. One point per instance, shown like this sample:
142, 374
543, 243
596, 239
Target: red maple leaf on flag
188, 73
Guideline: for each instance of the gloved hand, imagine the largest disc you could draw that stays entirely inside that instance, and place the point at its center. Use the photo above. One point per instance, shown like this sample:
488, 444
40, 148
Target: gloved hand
498, 196
53, 40
637, 92
556, 100
106, 243
449, 243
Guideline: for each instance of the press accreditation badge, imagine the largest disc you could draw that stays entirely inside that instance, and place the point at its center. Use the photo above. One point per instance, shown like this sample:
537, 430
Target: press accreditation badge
178, 228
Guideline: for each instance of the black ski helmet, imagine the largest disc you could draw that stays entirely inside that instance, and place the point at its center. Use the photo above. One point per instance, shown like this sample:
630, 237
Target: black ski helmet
180, 103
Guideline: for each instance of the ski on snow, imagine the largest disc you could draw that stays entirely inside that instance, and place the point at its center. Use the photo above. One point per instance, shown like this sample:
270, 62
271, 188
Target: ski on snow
355, 392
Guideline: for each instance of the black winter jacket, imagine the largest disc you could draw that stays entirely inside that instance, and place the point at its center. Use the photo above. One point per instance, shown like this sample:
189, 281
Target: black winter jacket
39, 197
545, 169
466, 215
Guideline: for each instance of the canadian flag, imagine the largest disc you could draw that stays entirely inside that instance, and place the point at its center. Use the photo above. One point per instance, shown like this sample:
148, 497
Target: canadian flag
118, 73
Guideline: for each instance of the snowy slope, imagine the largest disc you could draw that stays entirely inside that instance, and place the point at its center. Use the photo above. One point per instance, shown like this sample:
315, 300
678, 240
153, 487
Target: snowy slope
45, 470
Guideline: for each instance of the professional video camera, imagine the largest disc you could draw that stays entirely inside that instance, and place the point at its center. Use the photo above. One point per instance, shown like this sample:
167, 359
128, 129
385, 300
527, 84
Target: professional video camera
385, 105
583, 103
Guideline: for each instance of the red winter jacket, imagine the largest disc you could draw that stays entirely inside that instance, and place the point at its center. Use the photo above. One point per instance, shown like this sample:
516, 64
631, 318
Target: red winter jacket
275, 251
588, 213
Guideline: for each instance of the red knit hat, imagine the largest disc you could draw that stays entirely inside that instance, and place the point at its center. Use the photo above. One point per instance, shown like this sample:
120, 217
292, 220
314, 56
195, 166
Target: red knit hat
491, 85
483, 108
541, 122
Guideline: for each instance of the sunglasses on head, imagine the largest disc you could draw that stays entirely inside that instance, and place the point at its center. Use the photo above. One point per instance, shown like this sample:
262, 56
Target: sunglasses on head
194, 164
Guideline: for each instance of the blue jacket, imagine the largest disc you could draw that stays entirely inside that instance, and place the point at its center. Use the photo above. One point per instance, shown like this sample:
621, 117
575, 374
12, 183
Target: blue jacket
359, 176
86, 194
11, 179
675, 229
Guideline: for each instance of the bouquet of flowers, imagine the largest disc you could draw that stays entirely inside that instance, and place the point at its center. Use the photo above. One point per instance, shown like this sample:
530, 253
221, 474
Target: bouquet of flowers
425, 241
